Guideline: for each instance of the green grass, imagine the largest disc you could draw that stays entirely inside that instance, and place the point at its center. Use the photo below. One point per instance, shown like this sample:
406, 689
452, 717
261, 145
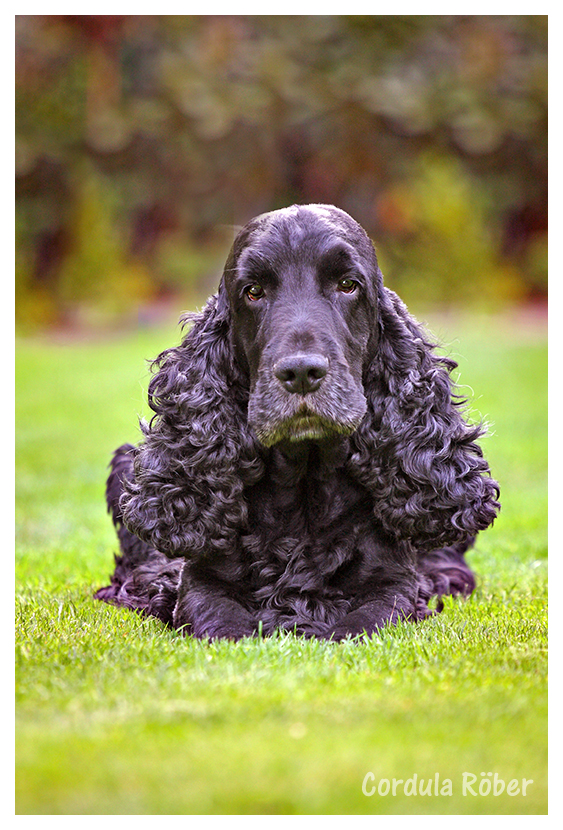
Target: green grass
116, 715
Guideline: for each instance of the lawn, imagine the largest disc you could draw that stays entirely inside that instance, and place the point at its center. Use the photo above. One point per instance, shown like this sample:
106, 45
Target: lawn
117, 715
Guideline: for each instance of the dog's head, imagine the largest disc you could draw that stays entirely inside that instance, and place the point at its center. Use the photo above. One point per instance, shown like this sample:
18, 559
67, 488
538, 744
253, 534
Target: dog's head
302, 285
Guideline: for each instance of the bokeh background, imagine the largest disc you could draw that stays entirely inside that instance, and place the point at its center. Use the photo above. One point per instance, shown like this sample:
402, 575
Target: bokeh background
142, 141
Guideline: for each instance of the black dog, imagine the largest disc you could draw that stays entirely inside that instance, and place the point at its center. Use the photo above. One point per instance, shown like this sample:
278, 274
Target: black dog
307, 467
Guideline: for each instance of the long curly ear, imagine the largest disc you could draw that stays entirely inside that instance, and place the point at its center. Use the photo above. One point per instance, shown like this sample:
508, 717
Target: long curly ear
414, 451
186, 494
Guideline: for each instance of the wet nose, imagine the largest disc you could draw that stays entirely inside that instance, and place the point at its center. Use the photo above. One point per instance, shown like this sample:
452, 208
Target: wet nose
301, 373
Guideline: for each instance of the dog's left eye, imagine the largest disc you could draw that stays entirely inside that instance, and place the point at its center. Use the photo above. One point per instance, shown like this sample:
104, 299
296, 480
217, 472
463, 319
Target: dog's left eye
347, 286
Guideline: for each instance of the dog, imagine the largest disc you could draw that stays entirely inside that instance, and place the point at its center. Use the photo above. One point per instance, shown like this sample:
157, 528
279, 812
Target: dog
308, 466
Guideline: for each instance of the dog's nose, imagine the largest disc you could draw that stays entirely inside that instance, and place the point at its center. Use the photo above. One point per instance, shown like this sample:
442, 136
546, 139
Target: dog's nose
301, 373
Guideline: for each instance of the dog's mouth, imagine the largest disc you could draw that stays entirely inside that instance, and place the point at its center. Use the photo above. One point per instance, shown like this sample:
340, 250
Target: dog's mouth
304, 425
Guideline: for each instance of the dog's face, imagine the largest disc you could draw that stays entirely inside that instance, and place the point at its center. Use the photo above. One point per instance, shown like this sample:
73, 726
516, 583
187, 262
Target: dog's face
302, 287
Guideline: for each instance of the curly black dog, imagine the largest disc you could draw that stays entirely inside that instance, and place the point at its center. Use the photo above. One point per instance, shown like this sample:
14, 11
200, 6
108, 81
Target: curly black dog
308, 466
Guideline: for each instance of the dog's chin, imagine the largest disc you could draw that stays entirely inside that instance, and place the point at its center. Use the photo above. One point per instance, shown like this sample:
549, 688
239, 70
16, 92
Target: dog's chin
307, 428
303, 428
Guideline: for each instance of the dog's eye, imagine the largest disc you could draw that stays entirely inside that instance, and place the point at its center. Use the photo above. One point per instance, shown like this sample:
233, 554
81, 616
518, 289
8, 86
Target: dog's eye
347, 286
254, 292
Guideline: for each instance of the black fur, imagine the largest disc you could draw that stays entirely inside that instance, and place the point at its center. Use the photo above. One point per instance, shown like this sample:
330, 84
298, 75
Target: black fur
308, 466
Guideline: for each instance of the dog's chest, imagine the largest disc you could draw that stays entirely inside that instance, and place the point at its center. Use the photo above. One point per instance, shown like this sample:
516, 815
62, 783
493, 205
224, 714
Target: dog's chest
302, 535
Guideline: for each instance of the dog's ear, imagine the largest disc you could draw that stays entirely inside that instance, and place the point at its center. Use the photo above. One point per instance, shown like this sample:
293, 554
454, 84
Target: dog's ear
185, 497
414, 450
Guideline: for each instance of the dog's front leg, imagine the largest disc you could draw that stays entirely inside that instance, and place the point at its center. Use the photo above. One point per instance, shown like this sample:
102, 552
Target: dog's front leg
203, 610
371, 616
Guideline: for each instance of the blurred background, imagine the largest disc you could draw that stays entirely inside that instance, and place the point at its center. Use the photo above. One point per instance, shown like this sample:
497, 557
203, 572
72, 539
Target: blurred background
142, 142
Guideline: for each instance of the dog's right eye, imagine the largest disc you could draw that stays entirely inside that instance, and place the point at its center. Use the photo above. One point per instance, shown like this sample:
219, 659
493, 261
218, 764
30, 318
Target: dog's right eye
254, 292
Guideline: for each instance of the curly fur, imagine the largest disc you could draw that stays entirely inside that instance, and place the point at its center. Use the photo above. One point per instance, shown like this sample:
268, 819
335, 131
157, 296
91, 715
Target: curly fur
308, 466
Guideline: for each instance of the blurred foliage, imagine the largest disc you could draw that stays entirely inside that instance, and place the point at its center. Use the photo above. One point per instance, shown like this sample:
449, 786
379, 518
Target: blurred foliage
141, 140
443, 246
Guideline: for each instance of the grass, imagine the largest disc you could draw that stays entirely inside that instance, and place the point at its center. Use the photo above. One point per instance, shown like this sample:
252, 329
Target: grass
116, 715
